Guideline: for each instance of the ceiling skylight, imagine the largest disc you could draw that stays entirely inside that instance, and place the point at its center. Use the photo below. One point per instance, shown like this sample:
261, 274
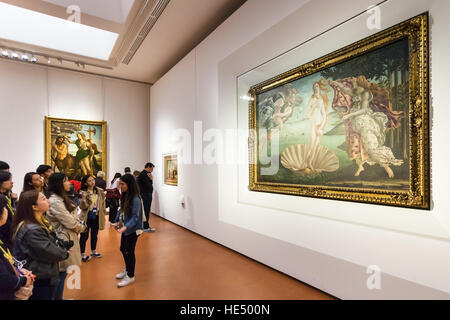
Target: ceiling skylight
30, 27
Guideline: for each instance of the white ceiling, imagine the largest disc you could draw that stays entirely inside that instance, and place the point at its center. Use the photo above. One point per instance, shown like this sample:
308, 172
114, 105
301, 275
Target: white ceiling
181, 27
112, 10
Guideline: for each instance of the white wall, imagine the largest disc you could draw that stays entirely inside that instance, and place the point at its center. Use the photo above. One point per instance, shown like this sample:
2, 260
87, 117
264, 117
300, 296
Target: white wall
305, 242
28, 93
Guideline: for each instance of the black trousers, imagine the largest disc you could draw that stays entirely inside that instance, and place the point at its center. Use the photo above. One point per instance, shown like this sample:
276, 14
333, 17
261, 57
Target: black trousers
92, 225
113, 205
147, 200
43, 290
127, 247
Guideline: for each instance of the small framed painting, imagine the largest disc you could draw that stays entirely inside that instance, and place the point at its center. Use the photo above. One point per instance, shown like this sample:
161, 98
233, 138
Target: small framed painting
171, 169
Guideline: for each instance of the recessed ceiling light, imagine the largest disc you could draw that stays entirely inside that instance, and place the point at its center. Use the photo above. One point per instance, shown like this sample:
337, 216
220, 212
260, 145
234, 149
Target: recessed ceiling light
5, 53
33, 59
54, 33
15, 55
25, 57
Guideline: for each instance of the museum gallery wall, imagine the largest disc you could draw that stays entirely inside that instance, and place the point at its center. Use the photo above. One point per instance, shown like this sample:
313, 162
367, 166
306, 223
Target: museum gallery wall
312, 239
35, 92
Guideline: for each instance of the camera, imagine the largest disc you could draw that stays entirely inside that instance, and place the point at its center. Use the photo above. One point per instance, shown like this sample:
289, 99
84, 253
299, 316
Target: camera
64, 244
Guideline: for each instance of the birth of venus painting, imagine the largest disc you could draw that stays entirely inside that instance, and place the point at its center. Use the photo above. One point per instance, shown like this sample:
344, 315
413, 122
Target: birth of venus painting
352, 125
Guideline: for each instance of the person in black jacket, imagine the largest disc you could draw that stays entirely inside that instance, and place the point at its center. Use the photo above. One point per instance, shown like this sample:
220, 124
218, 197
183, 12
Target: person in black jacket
12, 280
100, 180
45, 171
6, 185
36, 243
145, 182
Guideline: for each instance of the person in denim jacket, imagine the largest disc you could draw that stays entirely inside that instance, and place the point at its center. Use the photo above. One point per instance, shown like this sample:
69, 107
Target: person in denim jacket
129, 225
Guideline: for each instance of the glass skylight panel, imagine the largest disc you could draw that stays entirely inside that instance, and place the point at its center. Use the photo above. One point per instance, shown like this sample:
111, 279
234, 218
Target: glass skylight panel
30, 27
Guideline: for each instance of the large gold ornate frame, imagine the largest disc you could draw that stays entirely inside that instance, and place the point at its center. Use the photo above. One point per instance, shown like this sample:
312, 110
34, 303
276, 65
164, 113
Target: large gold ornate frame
418, 196
48, 147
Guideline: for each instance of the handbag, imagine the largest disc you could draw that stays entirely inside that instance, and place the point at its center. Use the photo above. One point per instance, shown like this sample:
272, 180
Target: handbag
112, 193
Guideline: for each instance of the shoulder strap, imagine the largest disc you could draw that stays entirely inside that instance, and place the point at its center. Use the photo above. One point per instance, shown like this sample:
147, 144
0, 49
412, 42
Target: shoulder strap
17, 229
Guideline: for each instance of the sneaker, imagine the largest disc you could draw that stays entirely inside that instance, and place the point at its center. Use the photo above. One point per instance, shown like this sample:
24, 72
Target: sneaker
95, 254
150, 229
126, 281
121, 275
85, 258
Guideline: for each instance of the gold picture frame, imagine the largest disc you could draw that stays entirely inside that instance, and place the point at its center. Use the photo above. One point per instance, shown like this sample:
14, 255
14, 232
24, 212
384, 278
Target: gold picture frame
380, 111
171, 169
76, 147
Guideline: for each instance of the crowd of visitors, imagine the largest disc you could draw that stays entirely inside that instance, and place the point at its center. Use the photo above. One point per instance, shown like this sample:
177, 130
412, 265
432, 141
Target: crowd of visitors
44, 231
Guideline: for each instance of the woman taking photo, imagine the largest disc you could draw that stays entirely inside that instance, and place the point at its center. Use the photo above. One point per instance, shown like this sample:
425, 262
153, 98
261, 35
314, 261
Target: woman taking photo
92, 204
129, 225
65, 222
35, 242
14, 283
32, 181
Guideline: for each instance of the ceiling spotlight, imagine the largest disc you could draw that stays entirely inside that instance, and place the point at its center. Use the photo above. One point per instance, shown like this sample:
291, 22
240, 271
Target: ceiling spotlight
5, 53
33, 59
25, 57
15, 55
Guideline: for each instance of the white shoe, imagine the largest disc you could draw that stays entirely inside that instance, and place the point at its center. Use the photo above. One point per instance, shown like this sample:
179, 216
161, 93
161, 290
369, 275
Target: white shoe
126, 281
121, 275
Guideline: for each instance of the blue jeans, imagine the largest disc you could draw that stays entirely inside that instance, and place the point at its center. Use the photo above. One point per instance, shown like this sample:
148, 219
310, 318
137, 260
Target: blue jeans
147, 199
60, 288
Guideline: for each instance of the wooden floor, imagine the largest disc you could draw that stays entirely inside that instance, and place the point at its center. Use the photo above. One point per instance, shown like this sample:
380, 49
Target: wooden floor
176, 264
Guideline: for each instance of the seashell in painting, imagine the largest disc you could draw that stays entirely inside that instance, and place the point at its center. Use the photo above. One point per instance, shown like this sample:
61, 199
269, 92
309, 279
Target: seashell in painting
294, 159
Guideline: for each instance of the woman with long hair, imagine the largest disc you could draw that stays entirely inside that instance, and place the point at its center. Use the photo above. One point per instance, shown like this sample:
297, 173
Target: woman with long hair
15, 282
93, 207
129, 226
318, 118
64, 218
36, 243
32, 181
